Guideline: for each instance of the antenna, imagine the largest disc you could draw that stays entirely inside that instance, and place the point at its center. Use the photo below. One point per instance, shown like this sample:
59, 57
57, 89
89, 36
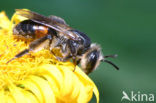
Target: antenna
109, 62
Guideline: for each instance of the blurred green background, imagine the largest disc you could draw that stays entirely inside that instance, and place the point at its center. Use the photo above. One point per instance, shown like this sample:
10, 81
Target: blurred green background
123, 27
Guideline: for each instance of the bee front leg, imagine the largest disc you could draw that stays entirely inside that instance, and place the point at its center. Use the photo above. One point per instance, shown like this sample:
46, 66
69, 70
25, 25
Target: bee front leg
62, 59
76, 62
65, 54
34, 46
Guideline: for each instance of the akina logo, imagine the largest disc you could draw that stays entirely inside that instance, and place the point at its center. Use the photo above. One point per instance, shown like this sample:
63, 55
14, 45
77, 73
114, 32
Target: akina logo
137, 96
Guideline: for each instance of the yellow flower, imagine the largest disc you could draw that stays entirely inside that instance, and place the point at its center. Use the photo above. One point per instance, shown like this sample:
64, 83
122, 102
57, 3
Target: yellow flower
38, 77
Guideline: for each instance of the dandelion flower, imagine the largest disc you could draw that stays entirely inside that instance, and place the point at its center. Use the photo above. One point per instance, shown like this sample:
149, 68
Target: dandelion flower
38, 77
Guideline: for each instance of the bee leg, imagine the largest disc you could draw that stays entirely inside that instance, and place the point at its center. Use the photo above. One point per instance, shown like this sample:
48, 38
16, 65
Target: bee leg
76, 61
34, 46
62, 59
19, 55
64, 52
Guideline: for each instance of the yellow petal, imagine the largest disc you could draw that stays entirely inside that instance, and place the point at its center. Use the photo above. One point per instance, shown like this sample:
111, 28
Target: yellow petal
96, 92
45, 90
18, 95
29, 85
4, 21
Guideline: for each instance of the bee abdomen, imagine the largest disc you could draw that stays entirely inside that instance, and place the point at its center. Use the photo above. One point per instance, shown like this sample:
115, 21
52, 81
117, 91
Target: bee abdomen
30, 29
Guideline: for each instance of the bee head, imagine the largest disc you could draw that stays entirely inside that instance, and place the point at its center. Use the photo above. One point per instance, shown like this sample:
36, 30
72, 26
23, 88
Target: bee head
93, 57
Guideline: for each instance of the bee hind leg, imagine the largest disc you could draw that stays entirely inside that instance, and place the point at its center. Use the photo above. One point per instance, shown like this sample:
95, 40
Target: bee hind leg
34, 46
19, 55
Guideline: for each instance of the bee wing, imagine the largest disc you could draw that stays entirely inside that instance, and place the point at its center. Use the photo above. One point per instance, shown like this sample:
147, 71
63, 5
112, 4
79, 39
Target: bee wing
58, 19
52, 23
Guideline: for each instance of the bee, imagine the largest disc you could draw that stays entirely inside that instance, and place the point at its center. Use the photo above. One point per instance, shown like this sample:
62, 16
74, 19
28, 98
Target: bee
54, 33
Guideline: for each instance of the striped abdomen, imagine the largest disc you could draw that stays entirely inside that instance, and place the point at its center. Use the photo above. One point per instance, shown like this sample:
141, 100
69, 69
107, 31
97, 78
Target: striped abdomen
30, 30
